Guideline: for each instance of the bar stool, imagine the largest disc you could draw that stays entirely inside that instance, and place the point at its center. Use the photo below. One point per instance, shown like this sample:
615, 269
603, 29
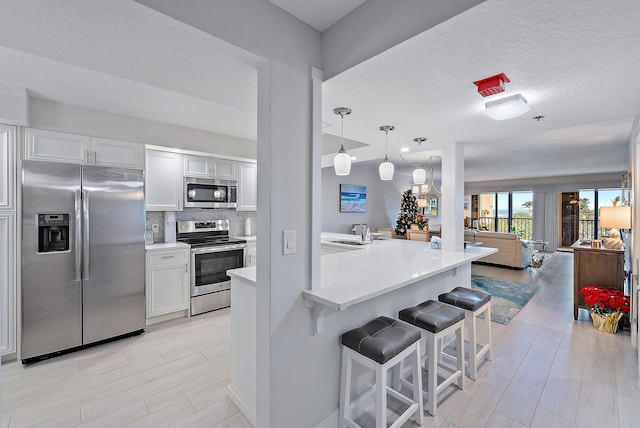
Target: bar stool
381, 344
437, 320
474, 303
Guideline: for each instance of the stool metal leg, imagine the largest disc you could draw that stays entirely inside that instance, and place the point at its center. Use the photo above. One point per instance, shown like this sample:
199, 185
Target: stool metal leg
381, 397
345, 389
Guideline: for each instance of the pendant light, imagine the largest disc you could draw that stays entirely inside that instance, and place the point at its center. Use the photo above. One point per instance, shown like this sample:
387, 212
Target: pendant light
419, 174
342, 160
386, 167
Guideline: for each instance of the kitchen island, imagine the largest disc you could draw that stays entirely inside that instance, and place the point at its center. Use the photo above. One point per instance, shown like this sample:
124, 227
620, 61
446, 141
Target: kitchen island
359, 281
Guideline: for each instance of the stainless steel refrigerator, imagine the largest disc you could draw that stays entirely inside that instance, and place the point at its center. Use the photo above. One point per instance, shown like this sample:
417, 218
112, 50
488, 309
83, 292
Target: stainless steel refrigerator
83, 261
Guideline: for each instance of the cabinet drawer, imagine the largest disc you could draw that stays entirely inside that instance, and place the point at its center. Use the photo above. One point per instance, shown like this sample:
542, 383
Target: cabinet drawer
168, 257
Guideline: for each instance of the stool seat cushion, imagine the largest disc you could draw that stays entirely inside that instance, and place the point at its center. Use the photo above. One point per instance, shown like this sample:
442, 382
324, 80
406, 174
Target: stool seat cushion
432, 316
381, 339
465, 298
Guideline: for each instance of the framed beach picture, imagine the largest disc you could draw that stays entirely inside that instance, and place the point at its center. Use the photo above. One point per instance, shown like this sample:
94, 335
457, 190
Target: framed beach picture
353, 198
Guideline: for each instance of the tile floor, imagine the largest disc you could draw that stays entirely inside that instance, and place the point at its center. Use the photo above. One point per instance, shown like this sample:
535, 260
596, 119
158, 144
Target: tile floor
548, 371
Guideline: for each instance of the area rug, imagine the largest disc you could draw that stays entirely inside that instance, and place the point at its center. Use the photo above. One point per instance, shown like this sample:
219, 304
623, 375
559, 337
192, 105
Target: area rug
507, 298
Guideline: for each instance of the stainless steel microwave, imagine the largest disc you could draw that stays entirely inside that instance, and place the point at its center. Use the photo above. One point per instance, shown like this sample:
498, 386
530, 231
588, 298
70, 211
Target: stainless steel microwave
208, 193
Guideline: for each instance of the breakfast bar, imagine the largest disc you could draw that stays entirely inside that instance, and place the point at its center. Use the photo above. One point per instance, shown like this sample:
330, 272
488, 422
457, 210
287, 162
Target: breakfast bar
359, 281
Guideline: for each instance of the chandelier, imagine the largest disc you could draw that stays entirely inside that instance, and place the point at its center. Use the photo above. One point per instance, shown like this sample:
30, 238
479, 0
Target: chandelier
420, 189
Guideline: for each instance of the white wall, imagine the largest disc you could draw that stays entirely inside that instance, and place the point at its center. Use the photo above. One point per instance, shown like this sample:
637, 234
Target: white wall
383, 199
46, 114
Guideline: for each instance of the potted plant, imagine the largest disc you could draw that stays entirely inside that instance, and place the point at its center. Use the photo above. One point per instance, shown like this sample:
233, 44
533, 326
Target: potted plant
607, 306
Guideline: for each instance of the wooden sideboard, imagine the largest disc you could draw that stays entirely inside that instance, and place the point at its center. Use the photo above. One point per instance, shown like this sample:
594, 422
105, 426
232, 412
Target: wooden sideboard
595, 266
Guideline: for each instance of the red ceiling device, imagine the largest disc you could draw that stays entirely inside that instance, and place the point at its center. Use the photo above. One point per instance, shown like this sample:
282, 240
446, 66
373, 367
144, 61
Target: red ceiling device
492, 85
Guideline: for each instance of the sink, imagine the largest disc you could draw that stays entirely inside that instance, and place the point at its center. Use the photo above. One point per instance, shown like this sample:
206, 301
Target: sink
348, 242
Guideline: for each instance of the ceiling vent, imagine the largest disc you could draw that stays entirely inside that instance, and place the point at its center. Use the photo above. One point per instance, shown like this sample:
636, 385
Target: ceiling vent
492, 85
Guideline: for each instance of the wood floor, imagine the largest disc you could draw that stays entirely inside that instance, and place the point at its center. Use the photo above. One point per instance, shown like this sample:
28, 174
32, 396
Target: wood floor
548, 371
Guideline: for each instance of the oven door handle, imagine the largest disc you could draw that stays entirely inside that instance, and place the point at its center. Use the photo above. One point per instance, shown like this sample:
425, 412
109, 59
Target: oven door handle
219, 249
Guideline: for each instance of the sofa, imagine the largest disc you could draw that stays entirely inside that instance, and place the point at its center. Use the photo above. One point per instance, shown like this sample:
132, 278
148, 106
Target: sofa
512, 251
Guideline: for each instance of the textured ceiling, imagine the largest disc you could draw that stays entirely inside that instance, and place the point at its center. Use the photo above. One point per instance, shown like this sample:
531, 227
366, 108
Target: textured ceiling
575, 62
123, 57
570, 60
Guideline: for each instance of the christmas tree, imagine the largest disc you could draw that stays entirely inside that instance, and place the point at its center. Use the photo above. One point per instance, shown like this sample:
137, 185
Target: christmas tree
408, 212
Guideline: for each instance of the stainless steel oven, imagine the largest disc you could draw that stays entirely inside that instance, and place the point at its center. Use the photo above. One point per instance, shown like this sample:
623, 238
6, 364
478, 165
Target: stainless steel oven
213, 252
210, 284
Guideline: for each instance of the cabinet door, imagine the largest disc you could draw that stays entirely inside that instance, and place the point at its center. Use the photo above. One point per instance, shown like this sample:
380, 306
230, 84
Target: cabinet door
7, 284
7, 166
163, 181
247, 187
250, 255
167, 289
197, 166
56, 146
223, 169
124, 154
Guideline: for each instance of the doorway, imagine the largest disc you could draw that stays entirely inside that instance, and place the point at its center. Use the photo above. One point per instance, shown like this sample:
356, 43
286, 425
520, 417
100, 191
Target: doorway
570, 218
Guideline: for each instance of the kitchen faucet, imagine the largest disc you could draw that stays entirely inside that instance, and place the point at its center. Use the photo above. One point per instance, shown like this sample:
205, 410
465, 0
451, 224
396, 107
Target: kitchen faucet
365, 232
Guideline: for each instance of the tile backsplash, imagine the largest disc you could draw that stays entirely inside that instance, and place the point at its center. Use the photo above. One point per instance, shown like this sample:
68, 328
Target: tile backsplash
236, 219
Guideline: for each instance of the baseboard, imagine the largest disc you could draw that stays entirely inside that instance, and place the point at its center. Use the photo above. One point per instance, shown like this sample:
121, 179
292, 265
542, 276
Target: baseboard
167, 317
242, 405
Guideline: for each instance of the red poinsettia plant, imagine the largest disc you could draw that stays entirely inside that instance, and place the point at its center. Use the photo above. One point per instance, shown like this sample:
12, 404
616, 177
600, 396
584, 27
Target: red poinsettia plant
605, 300
421, 221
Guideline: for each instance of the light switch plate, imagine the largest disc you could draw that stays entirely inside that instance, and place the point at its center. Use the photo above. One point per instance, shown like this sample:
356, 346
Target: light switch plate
289, 242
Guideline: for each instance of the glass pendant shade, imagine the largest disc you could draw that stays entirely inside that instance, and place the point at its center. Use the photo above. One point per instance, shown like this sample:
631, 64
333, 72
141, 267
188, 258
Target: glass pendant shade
419, 176
386, 170
342, 162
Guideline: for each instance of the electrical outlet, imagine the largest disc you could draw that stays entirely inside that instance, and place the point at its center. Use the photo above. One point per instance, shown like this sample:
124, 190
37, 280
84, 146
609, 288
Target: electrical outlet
155, 227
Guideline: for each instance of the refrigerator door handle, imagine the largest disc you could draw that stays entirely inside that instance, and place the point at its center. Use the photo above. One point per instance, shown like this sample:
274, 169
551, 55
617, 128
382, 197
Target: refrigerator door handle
78, 235
85, 235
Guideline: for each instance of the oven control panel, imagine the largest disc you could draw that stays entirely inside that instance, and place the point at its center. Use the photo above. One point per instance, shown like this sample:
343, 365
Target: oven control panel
203, 226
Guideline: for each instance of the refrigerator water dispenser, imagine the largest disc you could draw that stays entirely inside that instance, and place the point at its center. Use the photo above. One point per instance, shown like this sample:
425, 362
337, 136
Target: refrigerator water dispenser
53, 233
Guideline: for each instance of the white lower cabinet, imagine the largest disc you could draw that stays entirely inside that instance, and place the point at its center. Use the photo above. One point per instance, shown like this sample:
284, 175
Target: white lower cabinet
167, 284
7, 284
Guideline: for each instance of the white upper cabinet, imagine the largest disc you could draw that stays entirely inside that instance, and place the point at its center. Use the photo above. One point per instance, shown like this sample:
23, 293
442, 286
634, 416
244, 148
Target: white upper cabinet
204, 167
7, 167
56, 146
223, 169
72, 148
247, 186
163, 181
126, 154
197, 166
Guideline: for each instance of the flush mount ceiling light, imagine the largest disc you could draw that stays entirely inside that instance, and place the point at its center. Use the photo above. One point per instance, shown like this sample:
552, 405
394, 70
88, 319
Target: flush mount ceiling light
506, 108
386, 167
342, 160
419, 174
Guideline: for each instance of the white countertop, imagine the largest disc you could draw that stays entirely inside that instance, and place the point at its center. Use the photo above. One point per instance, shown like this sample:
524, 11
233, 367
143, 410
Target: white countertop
352, 277
166, 246
249, 238
368, 271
